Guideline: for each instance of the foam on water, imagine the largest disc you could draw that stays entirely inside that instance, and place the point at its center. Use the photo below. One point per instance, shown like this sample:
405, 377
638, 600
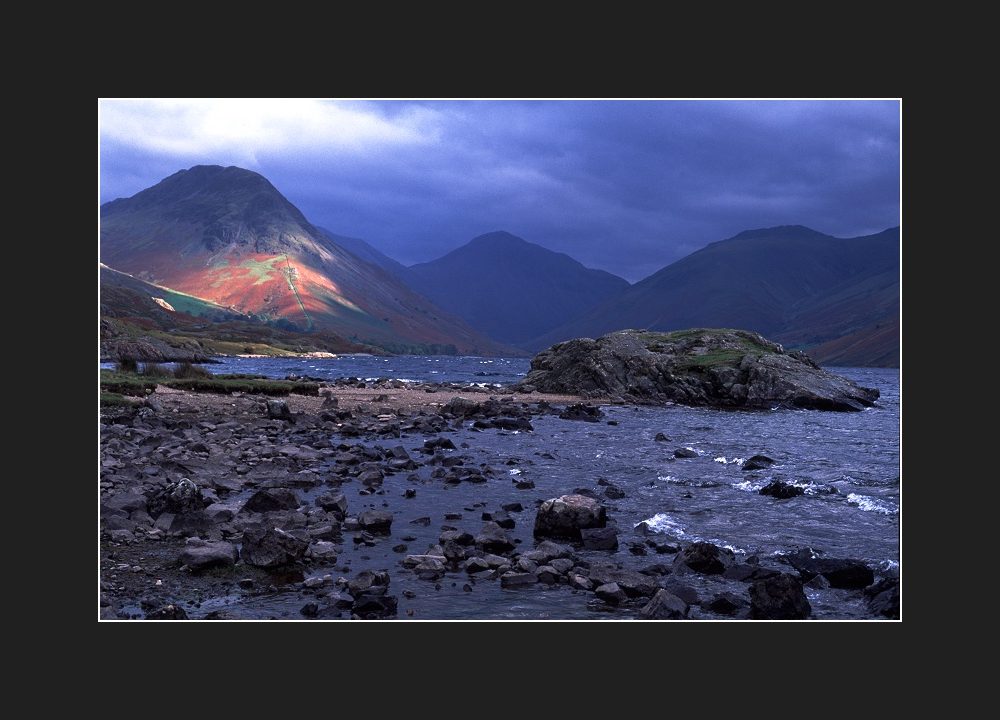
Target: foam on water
870, 504
734, 461
663, 523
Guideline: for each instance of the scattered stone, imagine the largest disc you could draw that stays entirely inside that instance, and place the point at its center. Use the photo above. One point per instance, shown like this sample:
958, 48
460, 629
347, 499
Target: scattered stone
611, 594
685, 452
309, 610
492, 538
581, 411
513, 579
265, 546
333, 503
660, 437
513, 507
613, 493
271, 500
168, 612
214, 554
409, 493
278, 410
884, 598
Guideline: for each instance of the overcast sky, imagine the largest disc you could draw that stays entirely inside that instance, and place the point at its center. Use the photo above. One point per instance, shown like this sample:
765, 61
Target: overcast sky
627, 187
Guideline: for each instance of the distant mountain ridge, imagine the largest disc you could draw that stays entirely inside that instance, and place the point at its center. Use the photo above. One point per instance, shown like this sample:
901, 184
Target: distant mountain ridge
226, 235
789, 283
511, 289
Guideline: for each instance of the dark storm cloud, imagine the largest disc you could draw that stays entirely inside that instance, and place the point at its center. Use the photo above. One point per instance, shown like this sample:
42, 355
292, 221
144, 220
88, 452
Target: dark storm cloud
624, 186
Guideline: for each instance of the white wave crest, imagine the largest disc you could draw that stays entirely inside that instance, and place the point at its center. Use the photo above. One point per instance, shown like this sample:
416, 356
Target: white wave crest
663, 523
733, 461
870, 504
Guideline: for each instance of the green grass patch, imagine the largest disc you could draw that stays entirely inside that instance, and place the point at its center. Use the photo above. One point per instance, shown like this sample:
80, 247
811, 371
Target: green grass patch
261, 271
711, 359
126, 383
137, 385
111, 399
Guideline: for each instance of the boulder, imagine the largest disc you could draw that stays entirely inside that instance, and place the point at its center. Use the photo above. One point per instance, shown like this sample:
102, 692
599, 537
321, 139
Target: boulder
705, 558
611, 594
685, 452
377, 522
726, 604
778, 598
698, 367
493, 539
605, 538
271, 500
369, 582
278, 410
179, 497
513, 579
374, 607
634, 584
333, 503
664, 605
758, 462
883, 598
208, 555
781, 490
266, 546
566, 516
839, 572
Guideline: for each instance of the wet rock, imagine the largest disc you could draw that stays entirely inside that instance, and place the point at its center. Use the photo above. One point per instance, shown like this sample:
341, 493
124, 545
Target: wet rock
460, 407
566, 516
758, 462
493, 539
613, 493
324, 551
664, 605
502, 519
438, 443
374, 607
409, 493
582, 411
525, 484
884, 598
660, 437
457, 536
726, 604
514, 580
369, 581
513, 507
579, 582
839, 572
562, 565
778, 598
818, 583
219, 513
476, 565
265, 546
611, 594
126, 502
167, 612
547, 574
335, 503
636, 548
781, 490
423, 521
634, 584
605, 538
271, 500
748, 572
377, 522
213, 554
525, 564
685, 452
705, 558
685, 592
309, 610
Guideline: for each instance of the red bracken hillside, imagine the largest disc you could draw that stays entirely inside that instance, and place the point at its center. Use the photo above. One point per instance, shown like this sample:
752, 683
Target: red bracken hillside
226, 235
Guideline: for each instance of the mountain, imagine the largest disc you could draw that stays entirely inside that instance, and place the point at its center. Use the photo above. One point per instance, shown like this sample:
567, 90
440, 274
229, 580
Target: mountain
799, 286
143, 321
226, 235
511, 289
359, 248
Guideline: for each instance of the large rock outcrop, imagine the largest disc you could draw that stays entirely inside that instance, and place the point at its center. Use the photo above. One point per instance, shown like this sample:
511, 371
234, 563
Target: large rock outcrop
717, 368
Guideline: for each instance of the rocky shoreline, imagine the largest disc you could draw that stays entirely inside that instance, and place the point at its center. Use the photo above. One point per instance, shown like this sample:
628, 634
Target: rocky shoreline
232, 506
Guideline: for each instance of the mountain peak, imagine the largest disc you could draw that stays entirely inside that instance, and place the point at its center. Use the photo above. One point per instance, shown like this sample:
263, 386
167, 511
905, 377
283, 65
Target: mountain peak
498, 237
780, 231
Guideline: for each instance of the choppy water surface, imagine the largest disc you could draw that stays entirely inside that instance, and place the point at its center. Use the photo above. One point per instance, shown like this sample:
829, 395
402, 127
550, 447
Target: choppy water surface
848, 464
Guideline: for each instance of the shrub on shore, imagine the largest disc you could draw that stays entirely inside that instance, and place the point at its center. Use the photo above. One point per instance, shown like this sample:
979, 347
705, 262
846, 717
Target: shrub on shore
187, 371
127, 365
152, 369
